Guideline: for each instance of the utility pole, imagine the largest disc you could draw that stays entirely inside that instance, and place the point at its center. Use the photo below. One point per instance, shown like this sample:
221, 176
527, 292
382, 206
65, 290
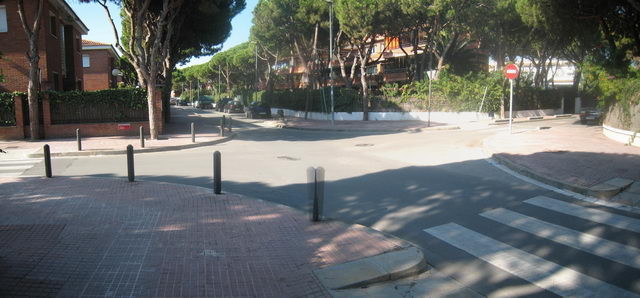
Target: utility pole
256, 81
331, 58
219, 82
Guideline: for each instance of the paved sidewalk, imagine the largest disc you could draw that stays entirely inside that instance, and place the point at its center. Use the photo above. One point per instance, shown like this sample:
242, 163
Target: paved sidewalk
577, 156
177, 136
108, 237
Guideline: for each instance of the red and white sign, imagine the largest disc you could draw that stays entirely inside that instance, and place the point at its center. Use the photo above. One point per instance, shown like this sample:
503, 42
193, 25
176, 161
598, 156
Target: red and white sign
511, 71
124, 126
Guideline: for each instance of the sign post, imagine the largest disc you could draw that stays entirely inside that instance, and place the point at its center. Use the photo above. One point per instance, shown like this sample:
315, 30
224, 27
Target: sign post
511, 72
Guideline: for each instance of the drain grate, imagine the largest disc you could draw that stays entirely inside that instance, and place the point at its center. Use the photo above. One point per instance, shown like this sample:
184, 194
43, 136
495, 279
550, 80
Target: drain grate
287, 158
364, 145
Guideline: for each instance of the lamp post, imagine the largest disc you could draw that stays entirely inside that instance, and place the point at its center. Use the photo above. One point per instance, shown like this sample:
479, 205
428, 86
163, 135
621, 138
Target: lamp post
331, 58
256, 80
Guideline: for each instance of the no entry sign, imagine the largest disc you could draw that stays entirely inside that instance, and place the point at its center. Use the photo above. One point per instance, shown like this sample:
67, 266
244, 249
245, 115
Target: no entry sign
511, 71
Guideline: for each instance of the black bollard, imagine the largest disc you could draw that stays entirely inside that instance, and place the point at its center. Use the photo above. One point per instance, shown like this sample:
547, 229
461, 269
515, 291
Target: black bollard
47, 161
222, 127
230, 123
217, 172
78, 139
141, 137
130, 171
315, 179
193, 133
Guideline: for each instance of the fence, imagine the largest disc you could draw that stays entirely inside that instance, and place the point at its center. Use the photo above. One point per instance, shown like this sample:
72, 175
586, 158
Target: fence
68, 113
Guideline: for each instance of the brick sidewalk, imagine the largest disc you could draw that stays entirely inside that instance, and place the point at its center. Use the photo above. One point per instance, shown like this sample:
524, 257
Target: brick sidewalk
108, 237
575, 154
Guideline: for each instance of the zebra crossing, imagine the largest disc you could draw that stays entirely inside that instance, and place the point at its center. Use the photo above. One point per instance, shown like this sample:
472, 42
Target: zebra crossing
16, 167
570, 276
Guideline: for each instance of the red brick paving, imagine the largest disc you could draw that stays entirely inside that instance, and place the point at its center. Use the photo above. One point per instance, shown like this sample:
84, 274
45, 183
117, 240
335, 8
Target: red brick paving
575, 154
108, 237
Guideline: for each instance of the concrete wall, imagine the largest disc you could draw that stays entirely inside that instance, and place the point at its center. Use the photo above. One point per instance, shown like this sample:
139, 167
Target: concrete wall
441, 117
621, 135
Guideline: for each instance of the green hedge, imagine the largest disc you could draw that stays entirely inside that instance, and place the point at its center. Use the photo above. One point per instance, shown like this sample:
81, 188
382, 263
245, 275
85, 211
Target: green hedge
111, 105
7, 109
345, 100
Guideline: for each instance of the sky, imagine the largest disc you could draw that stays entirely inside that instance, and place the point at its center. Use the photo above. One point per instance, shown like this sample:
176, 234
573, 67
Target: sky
93, 15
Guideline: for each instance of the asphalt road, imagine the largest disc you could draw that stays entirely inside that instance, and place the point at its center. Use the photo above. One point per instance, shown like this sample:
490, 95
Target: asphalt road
474, 221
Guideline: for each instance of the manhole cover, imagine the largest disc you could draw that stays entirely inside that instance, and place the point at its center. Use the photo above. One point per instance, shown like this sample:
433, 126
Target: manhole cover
288, 158
364, 145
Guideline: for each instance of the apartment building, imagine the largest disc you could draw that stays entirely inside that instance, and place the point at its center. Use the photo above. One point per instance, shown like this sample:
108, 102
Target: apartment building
59, 44
98, 62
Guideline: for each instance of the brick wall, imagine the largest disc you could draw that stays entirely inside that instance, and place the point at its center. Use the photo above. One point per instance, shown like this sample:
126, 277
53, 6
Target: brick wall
97, 76
14, 44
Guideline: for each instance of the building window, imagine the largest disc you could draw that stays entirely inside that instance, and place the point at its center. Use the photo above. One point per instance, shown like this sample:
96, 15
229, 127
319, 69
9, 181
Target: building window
86, 61
3, 19
54, 26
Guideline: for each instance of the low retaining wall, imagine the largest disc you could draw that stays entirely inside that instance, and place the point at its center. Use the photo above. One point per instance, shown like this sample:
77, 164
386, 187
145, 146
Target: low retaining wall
11, 133
621, 135
442, 117
95, 129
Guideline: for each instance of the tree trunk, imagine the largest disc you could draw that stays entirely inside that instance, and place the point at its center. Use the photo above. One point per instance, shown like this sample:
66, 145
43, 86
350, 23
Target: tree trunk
166, 93
365, 90
151, 99
32, 93
34, 69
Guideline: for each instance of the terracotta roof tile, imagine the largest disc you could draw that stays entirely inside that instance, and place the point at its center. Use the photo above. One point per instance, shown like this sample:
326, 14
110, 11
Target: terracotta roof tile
93, 43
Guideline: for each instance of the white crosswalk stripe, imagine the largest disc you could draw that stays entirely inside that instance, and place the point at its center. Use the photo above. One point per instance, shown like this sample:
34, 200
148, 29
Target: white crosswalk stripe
15, 167
595, 215
614, 251
536, 270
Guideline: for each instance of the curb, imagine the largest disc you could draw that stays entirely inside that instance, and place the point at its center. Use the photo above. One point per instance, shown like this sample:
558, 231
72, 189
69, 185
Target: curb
600, 191
448, 127
557, 117
39, 154
387, 266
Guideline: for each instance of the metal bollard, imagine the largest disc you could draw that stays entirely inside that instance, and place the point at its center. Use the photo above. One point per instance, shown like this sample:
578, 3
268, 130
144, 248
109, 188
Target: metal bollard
141, 137
193, 133
315, 178
130, 170
230, 123
47, 161
78, 139
217, 172
222, 127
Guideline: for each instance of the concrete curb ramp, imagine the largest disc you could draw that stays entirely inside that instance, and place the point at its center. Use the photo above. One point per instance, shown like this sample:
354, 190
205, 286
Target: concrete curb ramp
40, 154
383, 267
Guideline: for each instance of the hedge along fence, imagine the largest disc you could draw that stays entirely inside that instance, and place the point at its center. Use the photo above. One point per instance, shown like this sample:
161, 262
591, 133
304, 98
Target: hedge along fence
112, 105
450, 93
7, 109
345, 100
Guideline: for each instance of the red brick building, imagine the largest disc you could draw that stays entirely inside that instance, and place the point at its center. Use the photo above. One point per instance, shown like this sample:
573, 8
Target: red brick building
59, 46
98, 61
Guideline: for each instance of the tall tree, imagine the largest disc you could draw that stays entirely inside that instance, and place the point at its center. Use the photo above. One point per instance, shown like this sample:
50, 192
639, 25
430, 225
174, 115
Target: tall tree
157, 35
33, 34
363, 21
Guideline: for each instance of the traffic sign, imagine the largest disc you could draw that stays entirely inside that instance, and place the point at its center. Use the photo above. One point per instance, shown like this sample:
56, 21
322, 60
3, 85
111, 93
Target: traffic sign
511, 71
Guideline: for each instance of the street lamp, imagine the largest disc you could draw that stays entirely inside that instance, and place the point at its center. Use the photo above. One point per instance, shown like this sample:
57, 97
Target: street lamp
331, 57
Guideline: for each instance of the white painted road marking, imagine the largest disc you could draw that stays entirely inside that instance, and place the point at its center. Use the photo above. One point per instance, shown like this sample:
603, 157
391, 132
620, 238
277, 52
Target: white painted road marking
538, 271
614, 251
595, 215
15, 167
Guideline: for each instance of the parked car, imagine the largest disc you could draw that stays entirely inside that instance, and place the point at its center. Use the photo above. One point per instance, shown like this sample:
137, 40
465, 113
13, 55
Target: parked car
222, 103
204, 102
234, 107
173, 101
183, 102
591, 116
257, 110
